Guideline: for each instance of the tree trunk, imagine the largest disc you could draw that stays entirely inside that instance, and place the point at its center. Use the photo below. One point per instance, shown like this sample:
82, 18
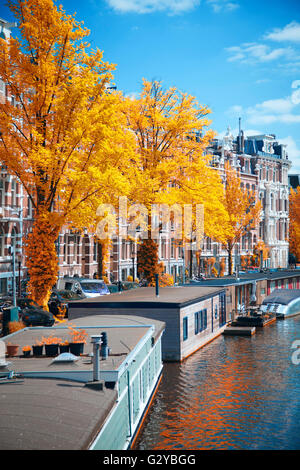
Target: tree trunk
100, 259
41, 257
229, 251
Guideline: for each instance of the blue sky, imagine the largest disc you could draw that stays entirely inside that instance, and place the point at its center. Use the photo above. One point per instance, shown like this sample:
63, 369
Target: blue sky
239, 57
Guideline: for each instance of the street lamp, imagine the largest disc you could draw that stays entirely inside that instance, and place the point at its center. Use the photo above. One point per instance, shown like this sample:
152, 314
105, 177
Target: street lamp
19, 261
11, 251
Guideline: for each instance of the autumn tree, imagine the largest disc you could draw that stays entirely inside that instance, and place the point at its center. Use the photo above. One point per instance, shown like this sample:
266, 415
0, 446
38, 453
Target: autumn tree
294, 229
171, 130
243, 210
65, 140
261, 252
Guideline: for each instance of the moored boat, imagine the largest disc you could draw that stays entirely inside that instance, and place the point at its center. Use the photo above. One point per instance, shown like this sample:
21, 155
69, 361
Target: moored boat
282, 302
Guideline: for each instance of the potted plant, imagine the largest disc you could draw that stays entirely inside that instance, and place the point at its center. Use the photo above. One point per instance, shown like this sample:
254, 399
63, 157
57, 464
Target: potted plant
64, 347
12, 349
37, 348
26, 351
51, 345
78, 340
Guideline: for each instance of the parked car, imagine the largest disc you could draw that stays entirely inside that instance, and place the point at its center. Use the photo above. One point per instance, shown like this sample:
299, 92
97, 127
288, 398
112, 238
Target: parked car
5, 302
33, 314
126, 285
112, 288
59, 301
88, 287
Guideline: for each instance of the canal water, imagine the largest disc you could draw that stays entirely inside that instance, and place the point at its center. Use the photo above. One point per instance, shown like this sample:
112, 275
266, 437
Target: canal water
235, 393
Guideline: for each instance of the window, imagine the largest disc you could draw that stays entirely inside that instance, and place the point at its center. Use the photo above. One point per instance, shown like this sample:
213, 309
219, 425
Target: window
14, 239
95, 251
196, 320
185, 328
1, 242
208, 244
2, 193
77, 242
204, 322
13, 191
2, 87
216, 311
272, 202
172, 248
65, 247
200, 321
29, 207
163, 248
123, 250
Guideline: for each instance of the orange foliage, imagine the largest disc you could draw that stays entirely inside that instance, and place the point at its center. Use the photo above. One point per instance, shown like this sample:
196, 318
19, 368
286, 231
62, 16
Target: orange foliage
261, 247
77, 336
294, 213
67, 140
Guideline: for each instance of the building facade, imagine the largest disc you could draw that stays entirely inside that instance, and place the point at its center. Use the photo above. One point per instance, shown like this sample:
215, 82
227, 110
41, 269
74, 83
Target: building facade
262, 164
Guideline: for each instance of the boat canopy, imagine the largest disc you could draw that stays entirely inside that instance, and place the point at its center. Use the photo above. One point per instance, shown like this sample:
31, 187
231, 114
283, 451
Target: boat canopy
282, 296
283, 302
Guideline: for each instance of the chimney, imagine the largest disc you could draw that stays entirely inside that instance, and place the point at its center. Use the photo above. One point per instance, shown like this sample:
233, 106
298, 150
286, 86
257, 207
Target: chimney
156, 285
240, 137
96, 340
104, 347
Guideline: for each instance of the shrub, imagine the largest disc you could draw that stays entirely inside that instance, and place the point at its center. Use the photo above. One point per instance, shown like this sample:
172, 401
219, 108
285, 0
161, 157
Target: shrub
14, 326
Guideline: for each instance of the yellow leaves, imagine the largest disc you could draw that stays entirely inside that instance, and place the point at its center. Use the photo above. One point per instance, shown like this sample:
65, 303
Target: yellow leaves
170, 138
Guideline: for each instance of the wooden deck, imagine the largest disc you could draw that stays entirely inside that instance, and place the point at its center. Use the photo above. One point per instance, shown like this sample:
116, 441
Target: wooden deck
239, 331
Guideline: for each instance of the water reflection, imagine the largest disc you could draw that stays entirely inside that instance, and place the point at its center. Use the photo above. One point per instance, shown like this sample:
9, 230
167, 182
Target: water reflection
236, 393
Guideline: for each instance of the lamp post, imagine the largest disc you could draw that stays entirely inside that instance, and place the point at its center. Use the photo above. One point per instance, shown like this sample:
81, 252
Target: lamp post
11, 251
19, 260
183, 263
132, 258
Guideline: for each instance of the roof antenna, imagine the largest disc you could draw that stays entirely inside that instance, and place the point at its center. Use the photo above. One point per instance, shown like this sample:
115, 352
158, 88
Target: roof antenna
240, 137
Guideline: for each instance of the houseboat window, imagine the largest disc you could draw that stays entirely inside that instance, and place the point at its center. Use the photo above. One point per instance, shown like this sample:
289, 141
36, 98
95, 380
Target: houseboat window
196, 321
185, 328
216, 311
204, 323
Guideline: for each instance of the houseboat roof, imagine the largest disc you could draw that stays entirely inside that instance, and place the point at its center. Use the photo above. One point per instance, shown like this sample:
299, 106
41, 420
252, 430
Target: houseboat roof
247, 278
46, 405
176, 296
282, 296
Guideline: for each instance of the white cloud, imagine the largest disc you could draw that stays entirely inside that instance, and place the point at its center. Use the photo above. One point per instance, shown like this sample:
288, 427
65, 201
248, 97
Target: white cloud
235, 110
254, 52
279, 110
222, 5
291, 32
150, 6
133, 95
235, 132
262, 80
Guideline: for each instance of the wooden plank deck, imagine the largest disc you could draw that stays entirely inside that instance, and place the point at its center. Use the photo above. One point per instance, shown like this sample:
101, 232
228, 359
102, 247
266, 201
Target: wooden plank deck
239, 331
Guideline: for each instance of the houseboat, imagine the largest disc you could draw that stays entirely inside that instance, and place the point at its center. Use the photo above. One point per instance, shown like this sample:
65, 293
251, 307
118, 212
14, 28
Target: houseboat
89, 401
193, 316
282, 302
